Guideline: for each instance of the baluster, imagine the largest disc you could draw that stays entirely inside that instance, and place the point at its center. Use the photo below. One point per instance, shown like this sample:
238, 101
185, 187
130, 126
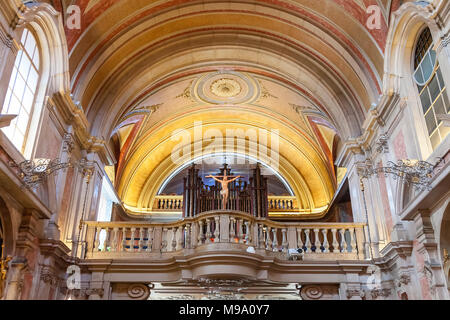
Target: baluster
299, 238
124, 239
105, 241
247, 232
164, 240
268, 240
307, 241
275, 240
208, 230
217, 229
317, 243
326, 245
335, 243
141, 239
240, 232
97, 239
149, 239
284, 243
232, 232
352, 240
114, 243
174, 239
187, 244
343, 240
261, 236
200, 232
133, 240
180, 232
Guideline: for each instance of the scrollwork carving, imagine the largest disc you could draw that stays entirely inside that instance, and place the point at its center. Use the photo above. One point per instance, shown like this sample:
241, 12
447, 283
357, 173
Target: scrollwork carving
311, 292
138, 291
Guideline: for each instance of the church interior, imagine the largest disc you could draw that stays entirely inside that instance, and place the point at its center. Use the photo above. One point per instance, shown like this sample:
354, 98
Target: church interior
222, 149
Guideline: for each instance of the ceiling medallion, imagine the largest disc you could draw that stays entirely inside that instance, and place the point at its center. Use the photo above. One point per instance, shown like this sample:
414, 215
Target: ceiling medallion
226, 87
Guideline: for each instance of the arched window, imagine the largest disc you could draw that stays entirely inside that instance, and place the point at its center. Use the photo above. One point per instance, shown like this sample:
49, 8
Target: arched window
431, 86
21, 95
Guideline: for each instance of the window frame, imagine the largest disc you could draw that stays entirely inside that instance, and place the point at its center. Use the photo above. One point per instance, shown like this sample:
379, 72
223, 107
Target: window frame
419, 89
39, 69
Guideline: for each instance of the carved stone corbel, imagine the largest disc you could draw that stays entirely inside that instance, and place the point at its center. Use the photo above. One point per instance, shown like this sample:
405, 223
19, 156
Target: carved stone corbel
355, 293
385, 292
68, 143
382, 144
95, 291
49, 277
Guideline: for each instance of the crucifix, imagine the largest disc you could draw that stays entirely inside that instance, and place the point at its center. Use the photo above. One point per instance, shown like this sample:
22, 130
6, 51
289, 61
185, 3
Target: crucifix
224, 182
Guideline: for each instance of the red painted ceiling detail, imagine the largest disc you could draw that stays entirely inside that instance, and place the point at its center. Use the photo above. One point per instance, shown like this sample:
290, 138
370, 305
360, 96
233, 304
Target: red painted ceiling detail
304, 49
349, 6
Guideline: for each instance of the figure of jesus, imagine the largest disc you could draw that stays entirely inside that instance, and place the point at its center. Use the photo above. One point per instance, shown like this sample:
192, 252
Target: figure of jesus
224, 182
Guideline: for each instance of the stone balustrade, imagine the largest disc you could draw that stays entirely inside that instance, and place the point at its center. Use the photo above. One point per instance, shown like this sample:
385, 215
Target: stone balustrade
227, 230
168, 203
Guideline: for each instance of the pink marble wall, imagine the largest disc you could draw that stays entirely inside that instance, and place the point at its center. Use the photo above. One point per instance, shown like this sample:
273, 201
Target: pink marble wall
400, 146
420, 263
385, 200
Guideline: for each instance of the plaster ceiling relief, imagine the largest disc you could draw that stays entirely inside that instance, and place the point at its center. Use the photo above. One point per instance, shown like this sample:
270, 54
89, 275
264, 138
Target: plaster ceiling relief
227, 87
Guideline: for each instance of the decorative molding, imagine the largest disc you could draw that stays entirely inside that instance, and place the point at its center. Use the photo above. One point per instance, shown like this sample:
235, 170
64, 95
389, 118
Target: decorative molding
186, 94
6, 39
180, 297
146, 110
265, 93
73, 114
301, 109
445, 41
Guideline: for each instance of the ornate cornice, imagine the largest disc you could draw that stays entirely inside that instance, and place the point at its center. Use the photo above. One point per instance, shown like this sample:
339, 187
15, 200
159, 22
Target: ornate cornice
73, 114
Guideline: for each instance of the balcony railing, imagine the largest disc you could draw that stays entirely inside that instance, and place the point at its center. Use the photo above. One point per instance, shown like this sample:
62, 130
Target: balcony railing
275, 203
226, 230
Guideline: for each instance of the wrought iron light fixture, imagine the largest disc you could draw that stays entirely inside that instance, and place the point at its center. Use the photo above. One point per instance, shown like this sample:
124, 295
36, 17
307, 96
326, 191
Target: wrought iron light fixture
34, 172
412, 172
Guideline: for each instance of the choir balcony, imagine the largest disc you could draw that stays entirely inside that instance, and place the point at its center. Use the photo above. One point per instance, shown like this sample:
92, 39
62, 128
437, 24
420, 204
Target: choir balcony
223, 231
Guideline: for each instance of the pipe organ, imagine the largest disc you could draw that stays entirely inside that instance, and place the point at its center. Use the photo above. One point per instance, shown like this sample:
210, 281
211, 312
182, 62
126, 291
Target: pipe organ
249, 197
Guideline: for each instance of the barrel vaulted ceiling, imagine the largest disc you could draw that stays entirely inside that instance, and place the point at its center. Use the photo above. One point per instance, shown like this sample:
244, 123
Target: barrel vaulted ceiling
314, 67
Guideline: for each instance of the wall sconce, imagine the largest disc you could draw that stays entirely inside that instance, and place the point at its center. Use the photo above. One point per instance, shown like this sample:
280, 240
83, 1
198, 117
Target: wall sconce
412, 172
34, 172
